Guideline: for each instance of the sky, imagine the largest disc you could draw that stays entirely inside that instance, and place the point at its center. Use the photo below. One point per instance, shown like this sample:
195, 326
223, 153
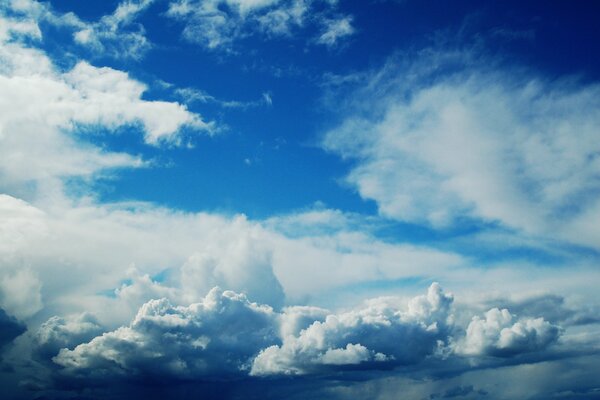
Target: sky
324, 199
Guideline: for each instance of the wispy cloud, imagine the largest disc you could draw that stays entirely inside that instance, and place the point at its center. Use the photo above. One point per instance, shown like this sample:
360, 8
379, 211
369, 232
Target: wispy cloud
481, 143
218, 24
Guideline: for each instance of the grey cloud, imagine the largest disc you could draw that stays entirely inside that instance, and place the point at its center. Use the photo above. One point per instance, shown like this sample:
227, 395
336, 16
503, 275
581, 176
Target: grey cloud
10, 328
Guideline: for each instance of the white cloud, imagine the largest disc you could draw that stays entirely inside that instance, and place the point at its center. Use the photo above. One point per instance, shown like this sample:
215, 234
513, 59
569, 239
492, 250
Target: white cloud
215, 337
43, 106
335, 30
497, 335
58, 333
379, 333
242, 263
112, 34
115, 35
217, 24
522, 152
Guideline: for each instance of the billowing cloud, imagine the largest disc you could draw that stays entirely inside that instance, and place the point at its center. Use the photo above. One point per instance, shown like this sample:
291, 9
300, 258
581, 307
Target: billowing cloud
214, 338
379, 334
438, 146
497, 334
225, 335
58, 333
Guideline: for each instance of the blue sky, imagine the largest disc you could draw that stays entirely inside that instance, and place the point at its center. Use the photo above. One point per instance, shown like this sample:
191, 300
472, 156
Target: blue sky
299, 198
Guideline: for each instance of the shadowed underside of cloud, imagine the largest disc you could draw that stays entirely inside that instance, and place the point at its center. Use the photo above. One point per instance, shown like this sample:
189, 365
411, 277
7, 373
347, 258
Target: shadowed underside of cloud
10, 328
226, 336
214, 338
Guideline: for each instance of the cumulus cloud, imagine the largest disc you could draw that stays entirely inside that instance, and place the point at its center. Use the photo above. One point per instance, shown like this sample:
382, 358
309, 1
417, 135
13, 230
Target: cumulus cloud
225, 335
58, 333
377, 334
214, 338
497, 335
441, 143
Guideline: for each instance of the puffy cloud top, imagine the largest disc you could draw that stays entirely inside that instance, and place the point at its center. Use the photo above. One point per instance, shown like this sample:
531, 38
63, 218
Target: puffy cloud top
497, 335
376, 334
216, 337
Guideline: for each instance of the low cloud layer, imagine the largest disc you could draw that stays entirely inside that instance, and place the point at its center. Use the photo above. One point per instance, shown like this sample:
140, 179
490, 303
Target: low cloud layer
227, 335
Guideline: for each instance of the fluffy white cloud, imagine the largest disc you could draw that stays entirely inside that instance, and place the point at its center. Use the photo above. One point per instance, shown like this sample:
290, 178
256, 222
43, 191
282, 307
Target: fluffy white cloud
216, 337
42, 106
379, 333
522, 152
58, 333
497, 335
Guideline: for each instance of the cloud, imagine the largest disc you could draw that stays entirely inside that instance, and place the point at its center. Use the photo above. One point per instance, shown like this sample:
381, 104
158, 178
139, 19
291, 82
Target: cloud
335, 30
497, 335
445, 141
375, 337
112, 34
226, 336
115, 35
191, 95
213, 338
44, 106
58, 333
20, 292
241, 264
217, 24
10, 328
